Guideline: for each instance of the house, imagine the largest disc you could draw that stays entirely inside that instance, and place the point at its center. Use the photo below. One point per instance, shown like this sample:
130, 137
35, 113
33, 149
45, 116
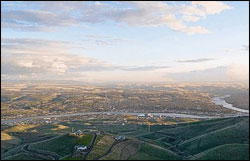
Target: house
120, 138
78, 132
141, 116
150, 115
80, 148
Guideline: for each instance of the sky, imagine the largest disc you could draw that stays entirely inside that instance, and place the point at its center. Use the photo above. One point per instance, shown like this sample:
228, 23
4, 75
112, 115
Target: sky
125, 41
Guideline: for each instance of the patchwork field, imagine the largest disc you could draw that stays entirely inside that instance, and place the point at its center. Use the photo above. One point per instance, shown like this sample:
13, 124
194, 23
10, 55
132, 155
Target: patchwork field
101, 146
122, 150
226, 138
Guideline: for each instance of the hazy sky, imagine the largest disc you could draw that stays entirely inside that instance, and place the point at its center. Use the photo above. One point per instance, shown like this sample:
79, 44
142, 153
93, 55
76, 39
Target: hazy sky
125, 41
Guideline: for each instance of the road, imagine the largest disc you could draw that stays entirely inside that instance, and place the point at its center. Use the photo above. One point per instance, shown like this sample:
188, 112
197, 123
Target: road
109, 150
91, 146
41, 154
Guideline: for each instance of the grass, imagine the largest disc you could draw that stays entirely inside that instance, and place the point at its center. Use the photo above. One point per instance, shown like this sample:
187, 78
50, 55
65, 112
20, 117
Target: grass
70, 158
29, 137
11, 152
153, 136
85, 139
45, 128
20, 128
61, 145
8, 142
159, 143
5, 136
204, 140
142, 129
60, 127
115, 129
123, 150
101, 147
143, 156
225, 152
238, 133
187, 132
115, 151
150, 152
98, 138
22, 156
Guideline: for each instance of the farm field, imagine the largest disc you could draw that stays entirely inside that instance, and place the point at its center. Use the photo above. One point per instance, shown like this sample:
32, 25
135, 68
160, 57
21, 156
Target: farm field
205, 139
101, 146
61, 145
225, 152
153, 152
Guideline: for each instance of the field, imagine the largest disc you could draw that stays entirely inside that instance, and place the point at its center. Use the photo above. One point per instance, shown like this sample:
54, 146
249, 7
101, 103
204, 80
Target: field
85, 139
123, 150
101, 147
22, 156
62, 145
235, 133
225, 138
153, 152
225, 152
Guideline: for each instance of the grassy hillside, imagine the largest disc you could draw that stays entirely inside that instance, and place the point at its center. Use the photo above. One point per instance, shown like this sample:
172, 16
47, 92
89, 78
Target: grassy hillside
22, 156
235, 133
61, 145
225, 152
221, 139
101, 147
153, 152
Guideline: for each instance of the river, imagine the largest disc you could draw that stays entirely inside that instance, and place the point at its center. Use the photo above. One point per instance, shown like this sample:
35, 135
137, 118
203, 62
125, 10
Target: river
220, 101
216, 100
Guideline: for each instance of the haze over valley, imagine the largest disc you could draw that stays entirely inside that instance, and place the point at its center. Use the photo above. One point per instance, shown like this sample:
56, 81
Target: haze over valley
136, 80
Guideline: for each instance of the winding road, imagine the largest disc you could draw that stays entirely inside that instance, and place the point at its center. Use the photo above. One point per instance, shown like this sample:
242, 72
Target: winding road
109, 150
91, 146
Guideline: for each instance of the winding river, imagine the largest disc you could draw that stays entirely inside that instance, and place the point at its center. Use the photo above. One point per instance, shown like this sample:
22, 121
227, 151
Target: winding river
220, 101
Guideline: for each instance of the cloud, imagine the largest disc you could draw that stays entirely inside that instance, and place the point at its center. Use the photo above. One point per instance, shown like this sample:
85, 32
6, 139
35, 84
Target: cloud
35, 20
236, 50
37, 46
102, 40
238, 71
39, 58
228, 50
195, 60
245, 47
52, 15
191, 18
217, 74
145, 68
211, 7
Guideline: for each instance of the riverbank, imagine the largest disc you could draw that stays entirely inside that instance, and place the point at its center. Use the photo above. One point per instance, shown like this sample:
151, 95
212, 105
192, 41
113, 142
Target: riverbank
220, 101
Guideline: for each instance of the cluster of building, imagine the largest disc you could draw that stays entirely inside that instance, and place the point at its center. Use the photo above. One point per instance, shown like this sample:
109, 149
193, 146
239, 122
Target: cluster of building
80, 149
120, 138
149, 115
